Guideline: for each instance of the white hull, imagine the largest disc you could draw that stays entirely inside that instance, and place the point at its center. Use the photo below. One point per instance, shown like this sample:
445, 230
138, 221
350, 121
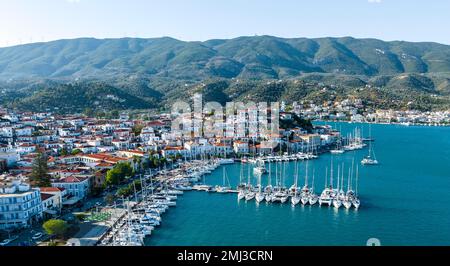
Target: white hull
295, 200
324, 202
313, 200
356, 204
347, 204
305, 200
241, 195
337, 204
249, 196
259, 197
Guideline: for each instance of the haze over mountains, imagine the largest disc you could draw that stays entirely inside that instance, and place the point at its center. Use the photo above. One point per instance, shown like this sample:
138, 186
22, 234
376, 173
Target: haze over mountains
243, 57
131, 73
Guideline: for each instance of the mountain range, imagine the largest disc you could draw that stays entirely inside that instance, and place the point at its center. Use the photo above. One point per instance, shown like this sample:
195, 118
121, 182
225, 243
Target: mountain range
243, 57
131, 73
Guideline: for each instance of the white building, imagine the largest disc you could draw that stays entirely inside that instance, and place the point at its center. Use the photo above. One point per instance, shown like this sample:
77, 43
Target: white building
76, 186
20, 204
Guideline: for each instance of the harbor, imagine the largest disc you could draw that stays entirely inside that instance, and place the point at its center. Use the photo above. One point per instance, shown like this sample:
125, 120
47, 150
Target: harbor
388, 195
261, 179
329, 190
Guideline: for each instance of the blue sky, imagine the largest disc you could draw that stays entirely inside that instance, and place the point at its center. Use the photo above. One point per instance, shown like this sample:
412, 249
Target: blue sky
24, 21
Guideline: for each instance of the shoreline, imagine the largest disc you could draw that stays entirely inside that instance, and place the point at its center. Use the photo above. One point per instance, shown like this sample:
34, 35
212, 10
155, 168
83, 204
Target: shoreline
382, 123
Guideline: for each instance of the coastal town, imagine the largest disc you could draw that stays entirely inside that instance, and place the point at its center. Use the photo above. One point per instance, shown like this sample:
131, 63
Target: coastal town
67, 166
353, 110
55, 165
76, 168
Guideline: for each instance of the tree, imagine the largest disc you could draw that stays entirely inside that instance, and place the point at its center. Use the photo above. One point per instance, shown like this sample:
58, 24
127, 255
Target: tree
39, 173
115, 114
55, 227
64, 152
88, 112
116, 175
113, 177
76, 151
137, 129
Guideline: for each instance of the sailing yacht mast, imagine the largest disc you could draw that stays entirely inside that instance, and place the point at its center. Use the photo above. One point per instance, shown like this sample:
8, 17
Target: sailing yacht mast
314, 173
331, 174
357, 177
306, 174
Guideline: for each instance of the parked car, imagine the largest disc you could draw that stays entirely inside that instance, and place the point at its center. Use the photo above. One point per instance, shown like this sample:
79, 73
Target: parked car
7, 241
37, 236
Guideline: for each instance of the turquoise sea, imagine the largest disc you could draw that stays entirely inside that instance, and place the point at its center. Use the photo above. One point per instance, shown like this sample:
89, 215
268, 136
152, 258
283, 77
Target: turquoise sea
404, 201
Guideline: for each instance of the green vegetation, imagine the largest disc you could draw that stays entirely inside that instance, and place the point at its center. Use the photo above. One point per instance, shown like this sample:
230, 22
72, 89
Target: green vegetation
296, 121
137, 129
127, 74
118, 174
55, 227
263, 57
39, 173
128, 190
75, 151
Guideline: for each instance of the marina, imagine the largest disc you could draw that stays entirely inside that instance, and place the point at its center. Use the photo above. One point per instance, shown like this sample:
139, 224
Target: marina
335, 187
390, 209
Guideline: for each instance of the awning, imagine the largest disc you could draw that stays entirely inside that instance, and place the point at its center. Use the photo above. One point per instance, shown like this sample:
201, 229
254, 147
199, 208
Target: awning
51, 212
71, 201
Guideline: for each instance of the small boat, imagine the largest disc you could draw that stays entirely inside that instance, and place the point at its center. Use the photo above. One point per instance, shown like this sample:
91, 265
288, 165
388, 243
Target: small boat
313, 198
268, 197
295, 199
370, 159
305, 192
226, 161
241, 194
242, 187
325, 197
260, 168
339, 149
280, 196
294, 189
259, 196
356, 203
249, 195
224, 188
347, 203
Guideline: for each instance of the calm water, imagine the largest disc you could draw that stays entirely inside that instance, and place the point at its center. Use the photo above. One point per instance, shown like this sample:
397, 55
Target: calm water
404, 201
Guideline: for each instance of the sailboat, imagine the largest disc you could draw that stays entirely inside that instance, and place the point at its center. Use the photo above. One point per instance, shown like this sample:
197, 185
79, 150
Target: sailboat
356, 203
325, 197
305, 193
339, 149
268, 190
260, 168
336, 201
347, 202
313, 198
280, 194
295, 197
224, 188
369, 159
250, 194
241, 187
259, 195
